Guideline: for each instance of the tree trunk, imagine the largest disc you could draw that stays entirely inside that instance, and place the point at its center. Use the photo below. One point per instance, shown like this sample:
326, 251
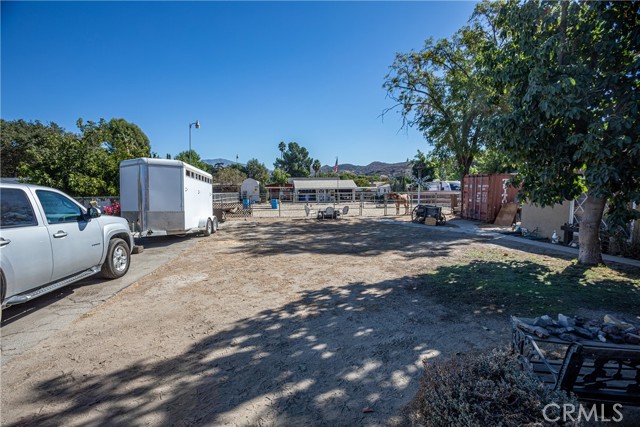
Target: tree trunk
590, 252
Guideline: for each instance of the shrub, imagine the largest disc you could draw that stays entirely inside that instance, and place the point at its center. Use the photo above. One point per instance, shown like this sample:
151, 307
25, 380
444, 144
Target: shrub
482, 390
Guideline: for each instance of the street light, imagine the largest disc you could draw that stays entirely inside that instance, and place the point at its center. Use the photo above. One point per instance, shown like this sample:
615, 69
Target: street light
419, 181
197, 123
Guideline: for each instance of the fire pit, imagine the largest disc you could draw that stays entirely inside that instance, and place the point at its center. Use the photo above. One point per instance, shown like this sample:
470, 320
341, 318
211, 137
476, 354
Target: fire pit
599, 361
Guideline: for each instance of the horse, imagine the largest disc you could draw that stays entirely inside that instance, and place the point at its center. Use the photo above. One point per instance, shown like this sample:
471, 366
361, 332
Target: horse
400, 199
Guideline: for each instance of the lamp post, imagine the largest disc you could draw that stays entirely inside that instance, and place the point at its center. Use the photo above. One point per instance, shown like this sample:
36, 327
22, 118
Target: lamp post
197, 123
419, 182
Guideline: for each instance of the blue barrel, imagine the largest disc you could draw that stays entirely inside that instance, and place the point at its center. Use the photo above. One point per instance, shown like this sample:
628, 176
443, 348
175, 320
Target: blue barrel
274, 203
245, 204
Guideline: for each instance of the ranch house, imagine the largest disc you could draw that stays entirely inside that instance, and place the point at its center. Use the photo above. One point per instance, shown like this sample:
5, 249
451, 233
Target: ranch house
323, 190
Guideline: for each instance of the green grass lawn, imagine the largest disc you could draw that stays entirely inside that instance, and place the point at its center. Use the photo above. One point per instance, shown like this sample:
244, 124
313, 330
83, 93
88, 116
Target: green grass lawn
499, 280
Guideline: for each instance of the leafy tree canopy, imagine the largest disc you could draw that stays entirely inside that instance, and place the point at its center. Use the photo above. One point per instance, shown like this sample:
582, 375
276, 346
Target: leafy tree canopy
229, 176
19, 140
422, 166
194, 159
257, 171
294, 160
83, 164
439, 91
571, 75
278, 176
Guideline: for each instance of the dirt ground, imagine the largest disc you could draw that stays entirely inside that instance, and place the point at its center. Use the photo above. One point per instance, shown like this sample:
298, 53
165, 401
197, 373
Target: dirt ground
274, 322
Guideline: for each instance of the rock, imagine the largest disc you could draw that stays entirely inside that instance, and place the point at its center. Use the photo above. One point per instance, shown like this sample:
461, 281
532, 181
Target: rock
584, 333
610, 329
565, 321
614, 321
531, 329
632, 338
601, 336
558, 331
543, 321
568, 337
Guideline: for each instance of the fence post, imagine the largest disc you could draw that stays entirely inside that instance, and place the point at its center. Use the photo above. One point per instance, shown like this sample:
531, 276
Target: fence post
361, 202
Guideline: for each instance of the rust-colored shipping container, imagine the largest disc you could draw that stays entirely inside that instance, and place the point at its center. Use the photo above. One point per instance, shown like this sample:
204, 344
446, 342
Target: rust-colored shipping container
483, 195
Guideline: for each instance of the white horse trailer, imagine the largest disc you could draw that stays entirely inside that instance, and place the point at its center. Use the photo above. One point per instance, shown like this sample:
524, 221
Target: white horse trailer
163, 197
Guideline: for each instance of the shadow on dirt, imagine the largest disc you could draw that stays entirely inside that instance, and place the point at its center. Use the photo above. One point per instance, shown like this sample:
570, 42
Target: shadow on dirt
348, 355
353, 237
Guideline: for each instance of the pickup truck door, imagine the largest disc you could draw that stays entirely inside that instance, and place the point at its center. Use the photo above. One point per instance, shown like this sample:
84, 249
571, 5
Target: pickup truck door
25, 249
77, 243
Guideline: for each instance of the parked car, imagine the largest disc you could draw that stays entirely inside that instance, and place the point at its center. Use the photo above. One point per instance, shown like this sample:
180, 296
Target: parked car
48, 240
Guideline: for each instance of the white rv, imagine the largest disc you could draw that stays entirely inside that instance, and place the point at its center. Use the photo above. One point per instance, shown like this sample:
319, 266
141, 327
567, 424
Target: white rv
442, 186
163, 197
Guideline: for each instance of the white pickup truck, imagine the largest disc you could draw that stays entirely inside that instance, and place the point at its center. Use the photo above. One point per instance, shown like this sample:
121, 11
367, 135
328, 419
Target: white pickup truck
48, 240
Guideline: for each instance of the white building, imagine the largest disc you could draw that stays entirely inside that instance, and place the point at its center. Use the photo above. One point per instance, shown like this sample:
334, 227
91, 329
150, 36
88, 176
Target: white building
250, 189
323, 190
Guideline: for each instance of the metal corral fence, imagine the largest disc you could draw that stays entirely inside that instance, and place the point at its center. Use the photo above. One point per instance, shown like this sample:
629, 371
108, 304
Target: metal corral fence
229, 206
366, 205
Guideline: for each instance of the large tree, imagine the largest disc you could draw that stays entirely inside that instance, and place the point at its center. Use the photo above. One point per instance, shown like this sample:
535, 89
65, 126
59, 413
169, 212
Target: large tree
72, 163
19, 139
423, 167
257, 171
571, 72
193, 158
439, 91
229, 176
278, 176
294, 160
120, 139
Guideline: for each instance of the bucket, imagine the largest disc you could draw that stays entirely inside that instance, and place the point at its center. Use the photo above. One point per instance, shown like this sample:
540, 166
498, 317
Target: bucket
274, 203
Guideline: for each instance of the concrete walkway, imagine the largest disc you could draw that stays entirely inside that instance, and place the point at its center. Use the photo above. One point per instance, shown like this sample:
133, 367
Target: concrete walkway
464, 226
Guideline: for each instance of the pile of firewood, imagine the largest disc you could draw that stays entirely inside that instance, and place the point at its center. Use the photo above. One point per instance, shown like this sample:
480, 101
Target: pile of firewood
574, 329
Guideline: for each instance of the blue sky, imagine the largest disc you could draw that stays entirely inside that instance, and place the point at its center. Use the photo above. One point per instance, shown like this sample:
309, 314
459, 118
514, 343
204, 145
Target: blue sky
252, 73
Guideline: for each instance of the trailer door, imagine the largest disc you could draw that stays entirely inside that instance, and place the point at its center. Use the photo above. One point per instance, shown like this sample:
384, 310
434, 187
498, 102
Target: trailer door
165, 189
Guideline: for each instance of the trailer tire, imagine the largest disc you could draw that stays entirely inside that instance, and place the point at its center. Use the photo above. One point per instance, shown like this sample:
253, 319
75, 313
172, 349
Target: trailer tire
209, 228
118, 260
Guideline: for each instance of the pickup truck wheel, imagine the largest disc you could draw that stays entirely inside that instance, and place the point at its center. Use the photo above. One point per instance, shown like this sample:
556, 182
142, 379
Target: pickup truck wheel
118, 259
209, 229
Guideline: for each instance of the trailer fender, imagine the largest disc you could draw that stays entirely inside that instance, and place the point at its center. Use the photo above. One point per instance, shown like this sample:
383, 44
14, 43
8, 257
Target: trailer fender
202, 222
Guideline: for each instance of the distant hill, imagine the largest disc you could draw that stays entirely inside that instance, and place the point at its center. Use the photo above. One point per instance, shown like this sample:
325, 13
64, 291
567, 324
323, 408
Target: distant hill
224, 162
375, 168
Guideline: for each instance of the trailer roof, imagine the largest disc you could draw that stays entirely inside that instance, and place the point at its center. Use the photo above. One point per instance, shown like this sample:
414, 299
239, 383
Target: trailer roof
163, 162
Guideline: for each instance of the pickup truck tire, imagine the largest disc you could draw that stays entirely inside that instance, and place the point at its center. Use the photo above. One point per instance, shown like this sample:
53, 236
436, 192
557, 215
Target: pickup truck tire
209, 228
118, 259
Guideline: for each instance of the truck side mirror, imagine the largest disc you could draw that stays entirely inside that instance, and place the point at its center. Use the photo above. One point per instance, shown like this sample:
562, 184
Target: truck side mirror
94, 212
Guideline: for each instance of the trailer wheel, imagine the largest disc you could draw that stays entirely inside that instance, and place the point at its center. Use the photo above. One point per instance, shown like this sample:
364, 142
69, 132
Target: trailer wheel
215, 224
118, 259
209, 229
